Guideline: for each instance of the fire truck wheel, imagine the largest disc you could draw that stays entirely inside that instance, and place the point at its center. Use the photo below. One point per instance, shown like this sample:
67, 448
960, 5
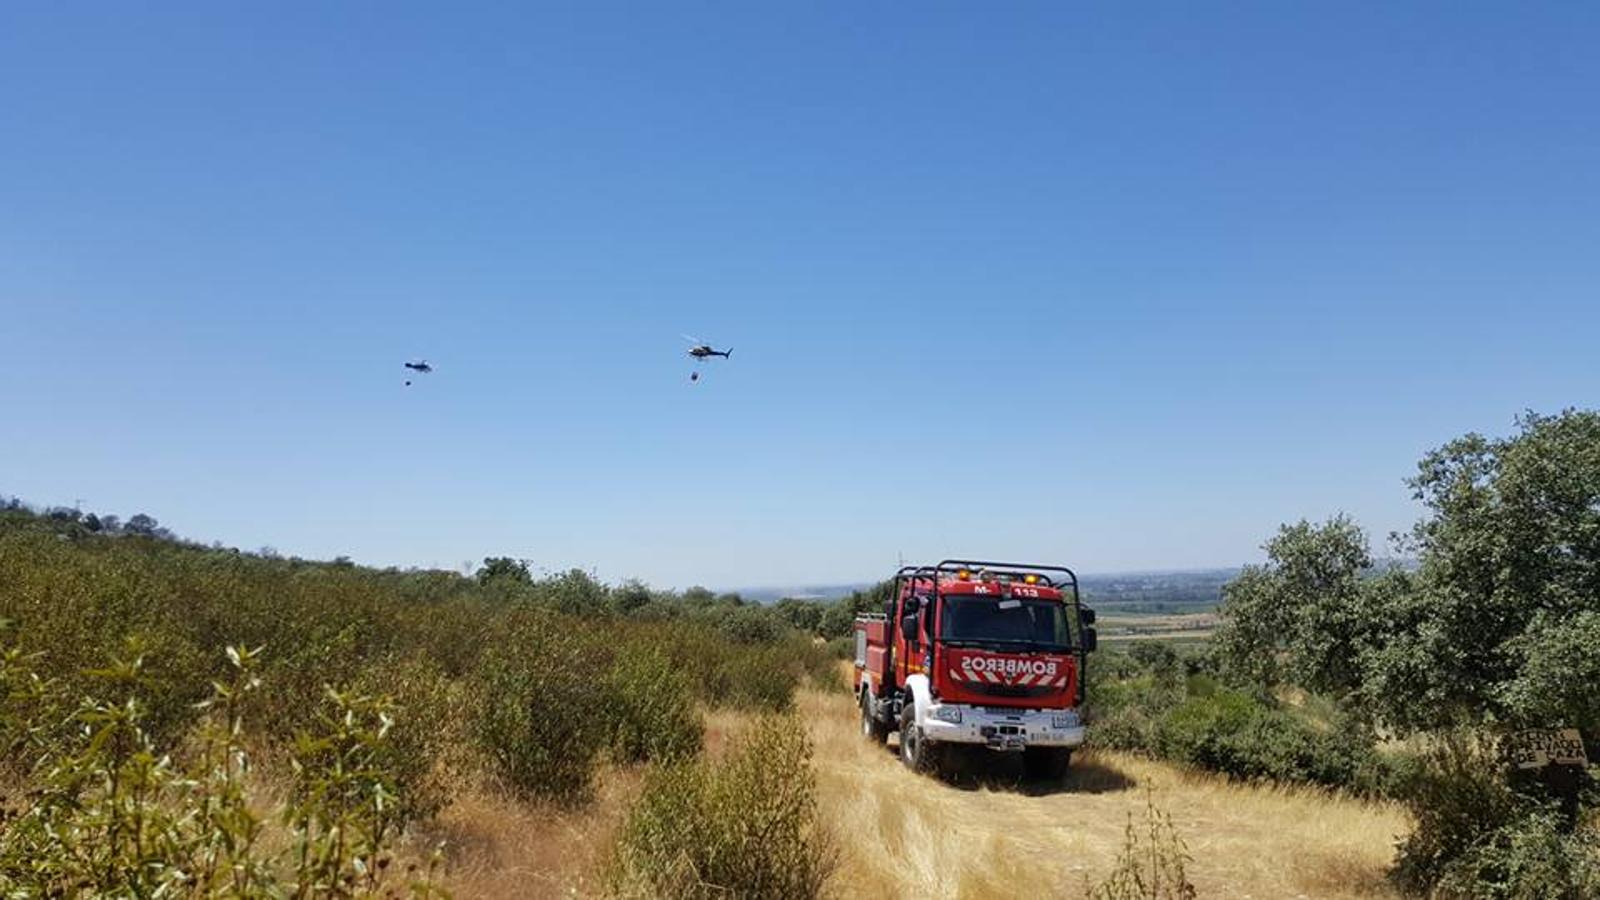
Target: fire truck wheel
1046, 762
919, 754
871, 728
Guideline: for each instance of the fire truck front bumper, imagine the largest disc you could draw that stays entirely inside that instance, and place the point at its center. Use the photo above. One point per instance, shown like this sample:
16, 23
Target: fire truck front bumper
1003, 729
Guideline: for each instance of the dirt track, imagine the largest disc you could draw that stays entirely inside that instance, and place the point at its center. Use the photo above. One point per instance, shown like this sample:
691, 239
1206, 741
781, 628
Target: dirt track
902, 834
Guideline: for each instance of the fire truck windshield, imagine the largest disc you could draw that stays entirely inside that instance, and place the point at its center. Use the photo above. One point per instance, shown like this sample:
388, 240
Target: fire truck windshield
1040, 624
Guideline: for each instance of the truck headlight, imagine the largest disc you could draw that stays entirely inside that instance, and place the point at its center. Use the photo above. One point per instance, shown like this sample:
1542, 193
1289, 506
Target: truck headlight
951, 714
1068, 719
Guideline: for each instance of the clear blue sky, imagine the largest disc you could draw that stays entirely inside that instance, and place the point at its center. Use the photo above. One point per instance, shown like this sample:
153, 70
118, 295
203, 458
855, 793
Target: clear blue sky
1122, 286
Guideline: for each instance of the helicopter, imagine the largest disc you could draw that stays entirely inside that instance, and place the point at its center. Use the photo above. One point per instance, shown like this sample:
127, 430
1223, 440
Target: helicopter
421, 366
703, 350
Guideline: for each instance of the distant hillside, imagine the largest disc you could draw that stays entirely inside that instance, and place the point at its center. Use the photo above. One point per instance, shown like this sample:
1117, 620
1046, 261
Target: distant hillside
821, 593
1197, 590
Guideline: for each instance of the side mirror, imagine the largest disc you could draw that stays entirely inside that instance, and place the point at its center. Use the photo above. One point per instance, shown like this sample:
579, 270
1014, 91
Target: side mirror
908, 628
1091, 640
913, 604
1086, 615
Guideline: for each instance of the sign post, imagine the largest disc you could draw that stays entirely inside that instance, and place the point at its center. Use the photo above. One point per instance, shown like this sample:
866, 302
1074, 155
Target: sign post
1538, 748
1552, 756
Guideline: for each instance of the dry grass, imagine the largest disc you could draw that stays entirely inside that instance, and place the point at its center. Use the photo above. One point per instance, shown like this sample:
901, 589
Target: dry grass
722, 726
498, 847
904, 835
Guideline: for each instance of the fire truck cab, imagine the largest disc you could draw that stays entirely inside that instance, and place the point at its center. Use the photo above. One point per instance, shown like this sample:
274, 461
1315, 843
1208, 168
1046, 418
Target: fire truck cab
977, 653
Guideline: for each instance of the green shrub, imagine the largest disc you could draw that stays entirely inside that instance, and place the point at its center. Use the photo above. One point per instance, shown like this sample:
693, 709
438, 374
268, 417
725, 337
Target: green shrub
421, 746
758, 678
1237, 735
750, 625
1128, 728
802, 615
743, 826
1477, 835
1160, 660
344, 809
1201, 684
452, 633
720, 672
175, 676
1532, 857
1120, 680
29, 707
574, 592
542, 718
695, 651
110, 815
1125, 701
300, 670
105, 818
1150, 702
652, 708
1457, 796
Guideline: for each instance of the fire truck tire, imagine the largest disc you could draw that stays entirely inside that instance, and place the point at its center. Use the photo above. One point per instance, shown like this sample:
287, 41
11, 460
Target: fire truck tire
1046, 762
872, 729
919, 754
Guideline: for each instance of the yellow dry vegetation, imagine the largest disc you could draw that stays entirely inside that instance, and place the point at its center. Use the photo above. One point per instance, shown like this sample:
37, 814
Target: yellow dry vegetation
496, 846
900, 834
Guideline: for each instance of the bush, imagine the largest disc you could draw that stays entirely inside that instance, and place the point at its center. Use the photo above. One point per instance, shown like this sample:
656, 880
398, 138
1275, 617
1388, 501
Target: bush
344, 807
750, 625
29, 708
723, 673
541, 717
419, 751
1160, 660
175, 676
742, 826
1129, 728
1148, 701
758, 678
302, 670
1237, 735
1479, 836
1126, 699
842, 647
803, 615
112, 816
1530, 858
652, 708
574, 592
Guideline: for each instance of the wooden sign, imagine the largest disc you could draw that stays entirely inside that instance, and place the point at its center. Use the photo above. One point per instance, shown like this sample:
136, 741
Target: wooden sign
1537, 748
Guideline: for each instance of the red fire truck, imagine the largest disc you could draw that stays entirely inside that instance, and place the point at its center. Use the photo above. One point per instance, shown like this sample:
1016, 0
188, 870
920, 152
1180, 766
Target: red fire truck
980, 654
